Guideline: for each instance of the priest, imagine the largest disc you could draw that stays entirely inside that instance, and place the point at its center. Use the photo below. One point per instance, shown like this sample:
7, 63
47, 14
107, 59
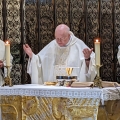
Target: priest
118, 54
3, 70
64, 51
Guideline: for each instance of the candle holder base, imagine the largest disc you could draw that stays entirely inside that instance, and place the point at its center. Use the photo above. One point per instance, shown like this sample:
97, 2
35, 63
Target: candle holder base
8, 82
97, 82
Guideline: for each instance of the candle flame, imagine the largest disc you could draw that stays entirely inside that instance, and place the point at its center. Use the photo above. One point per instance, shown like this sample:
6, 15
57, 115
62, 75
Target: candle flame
7, 42
97, 40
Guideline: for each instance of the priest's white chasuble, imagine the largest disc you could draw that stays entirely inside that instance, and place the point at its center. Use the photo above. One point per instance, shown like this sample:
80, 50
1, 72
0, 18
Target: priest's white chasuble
53, 60
2, 53
118, 55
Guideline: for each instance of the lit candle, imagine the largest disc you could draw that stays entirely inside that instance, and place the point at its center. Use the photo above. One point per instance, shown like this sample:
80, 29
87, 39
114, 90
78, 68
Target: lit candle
7, 53
97, 52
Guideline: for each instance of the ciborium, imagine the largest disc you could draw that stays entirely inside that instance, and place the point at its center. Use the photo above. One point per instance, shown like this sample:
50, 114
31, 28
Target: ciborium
7, 79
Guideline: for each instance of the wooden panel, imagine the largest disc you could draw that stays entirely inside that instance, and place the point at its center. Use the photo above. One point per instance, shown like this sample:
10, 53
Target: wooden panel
107, 40
77, 18
46, 23
61, 12
92, 21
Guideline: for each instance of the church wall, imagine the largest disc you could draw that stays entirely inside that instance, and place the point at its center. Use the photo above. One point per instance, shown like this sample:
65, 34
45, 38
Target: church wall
34, 22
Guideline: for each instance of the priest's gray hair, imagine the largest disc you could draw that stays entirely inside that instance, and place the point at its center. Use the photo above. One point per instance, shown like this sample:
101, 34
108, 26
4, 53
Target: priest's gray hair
62, 27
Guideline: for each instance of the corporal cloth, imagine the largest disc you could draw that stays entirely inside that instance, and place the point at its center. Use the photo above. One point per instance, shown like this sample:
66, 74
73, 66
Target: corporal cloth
44, 66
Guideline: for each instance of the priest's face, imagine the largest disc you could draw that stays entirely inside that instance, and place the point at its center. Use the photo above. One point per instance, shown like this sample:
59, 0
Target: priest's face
62, 39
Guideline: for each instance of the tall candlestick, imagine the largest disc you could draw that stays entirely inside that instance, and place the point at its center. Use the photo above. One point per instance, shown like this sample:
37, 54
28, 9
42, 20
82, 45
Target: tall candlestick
7, 53
97, 52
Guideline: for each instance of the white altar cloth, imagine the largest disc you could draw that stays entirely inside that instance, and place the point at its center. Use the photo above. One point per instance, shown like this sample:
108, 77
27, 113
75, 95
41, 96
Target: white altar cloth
110, 93
105, 94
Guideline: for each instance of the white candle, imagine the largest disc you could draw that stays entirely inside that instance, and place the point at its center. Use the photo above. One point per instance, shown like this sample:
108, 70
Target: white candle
7, 53
97, 52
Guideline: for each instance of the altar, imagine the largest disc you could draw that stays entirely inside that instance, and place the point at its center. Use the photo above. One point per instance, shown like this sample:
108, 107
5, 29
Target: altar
39, 102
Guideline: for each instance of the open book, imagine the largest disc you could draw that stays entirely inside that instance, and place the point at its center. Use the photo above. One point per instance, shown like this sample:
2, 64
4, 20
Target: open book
89, 84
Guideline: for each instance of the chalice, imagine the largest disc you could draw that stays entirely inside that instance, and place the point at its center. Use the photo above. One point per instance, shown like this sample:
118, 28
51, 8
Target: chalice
69, 71
68, 80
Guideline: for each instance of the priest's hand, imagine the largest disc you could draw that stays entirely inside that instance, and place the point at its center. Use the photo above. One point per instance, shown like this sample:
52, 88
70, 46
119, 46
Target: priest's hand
28, 50
87, 52
1, 64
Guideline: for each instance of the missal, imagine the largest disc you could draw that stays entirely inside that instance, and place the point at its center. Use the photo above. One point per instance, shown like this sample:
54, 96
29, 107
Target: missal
90, 84
81, 84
